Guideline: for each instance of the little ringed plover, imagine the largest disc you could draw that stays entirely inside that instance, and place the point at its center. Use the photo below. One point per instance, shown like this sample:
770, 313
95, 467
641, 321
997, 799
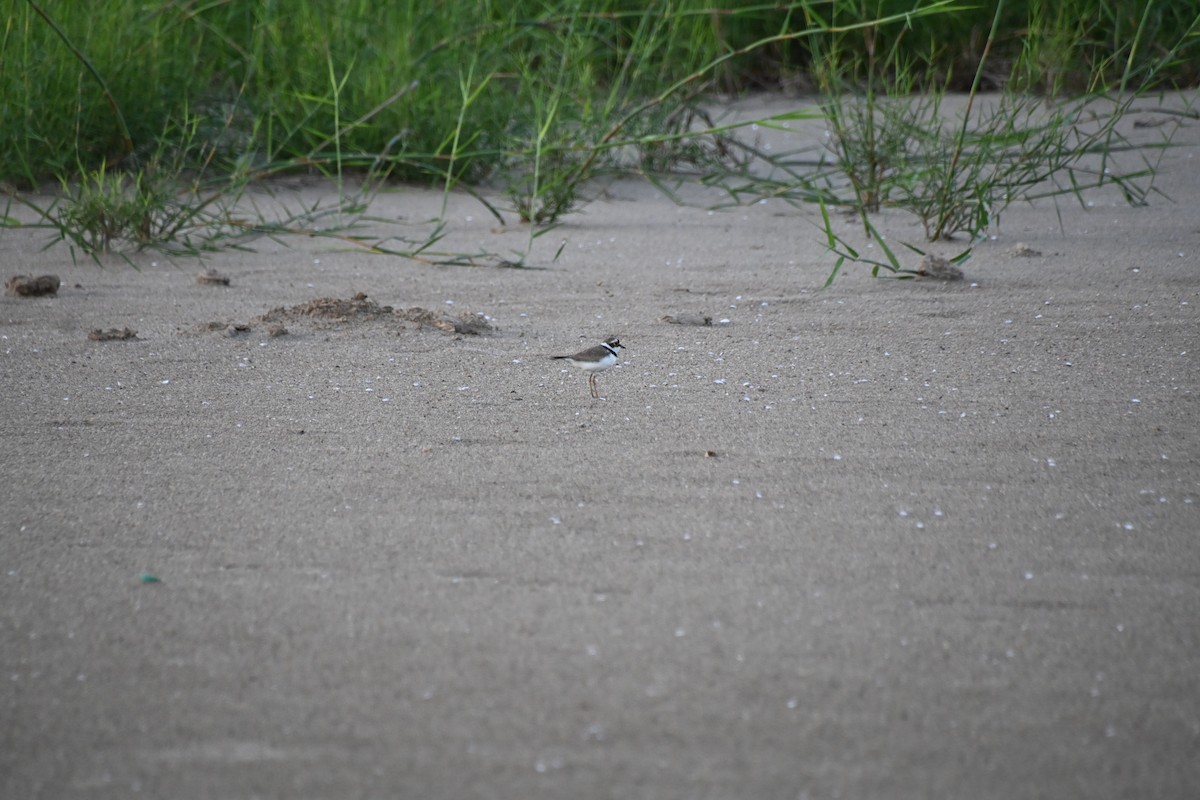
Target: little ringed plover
595, 359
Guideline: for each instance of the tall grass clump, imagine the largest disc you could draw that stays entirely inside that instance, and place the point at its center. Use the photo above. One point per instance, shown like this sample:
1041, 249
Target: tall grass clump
81, 90
957, 172
268, 88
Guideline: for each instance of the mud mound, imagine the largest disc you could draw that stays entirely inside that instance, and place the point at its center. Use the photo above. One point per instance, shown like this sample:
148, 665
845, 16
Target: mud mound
467, 322
29, 286
329, 311
358, 308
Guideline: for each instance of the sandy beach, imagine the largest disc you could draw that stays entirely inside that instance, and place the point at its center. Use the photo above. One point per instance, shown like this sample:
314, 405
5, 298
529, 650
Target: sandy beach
890, 539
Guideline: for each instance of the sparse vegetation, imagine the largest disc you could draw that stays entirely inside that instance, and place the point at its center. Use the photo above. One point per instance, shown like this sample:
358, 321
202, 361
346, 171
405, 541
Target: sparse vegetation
154, 118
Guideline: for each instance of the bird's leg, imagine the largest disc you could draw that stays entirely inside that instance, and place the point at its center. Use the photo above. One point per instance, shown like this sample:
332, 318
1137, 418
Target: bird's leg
592, 384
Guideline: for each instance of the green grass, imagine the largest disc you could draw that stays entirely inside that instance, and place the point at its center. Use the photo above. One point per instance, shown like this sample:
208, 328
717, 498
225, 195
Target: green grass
306, 83
154, 116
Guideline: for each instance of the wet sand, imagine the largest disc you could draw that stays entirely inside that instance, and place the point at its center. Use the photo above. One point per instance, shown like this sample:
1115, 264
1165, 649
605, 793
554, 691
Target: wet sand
890, 539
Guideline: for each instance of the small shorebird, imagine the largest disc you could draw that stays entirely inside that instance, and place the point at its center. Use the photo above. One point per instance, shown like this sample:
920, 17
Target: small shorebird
595, 359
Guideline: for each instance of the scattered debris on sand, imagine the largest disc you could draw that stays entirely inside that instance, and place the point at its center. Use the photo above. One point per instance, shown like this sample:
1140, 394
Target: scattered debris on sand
934, 266
29, 286
686, 319
1022, 250
226, 329
210, 277
112, 334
